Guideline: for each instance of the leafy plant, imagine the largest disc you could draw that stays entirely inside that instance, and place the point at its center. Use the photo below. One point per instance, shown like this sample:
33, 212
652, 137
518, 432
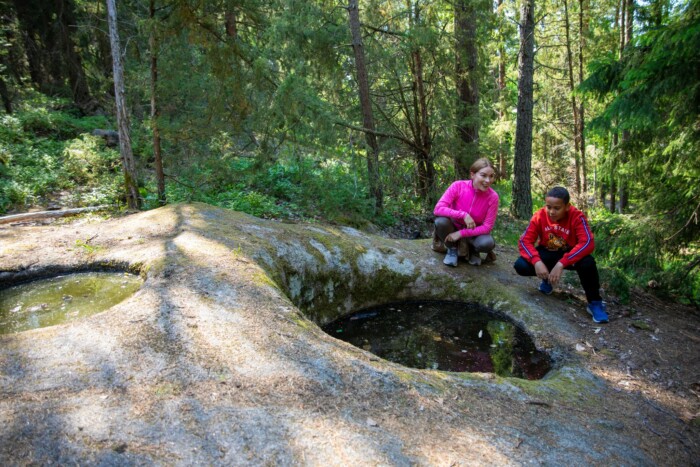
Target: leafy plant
45, 150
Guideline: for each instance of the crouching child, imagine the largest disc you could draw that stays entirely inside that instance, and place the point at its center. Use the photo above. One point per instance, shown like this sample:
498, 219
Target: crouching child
557, 238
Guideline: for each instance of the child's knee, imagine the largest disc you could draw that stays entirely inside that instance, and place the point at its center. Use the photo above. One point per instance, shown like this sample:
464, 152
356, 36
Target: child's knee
523, 268
442, 223
484, 243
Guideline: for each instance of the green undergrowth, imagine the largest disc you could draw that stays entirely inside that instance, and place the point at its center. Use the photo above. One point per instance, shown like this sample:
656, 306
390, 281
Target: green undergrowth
47, 151
632, 251
46, 148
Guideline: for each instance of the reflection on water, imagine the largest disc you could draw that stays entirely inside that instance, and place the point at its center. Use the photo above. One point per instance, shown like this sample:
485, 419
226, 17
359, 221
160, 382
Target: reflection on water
59, 299
449, 336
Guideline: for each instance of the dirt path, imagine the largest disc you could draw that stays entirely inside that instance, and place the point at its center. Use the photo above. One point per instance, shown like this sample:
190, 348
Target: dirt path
213, 362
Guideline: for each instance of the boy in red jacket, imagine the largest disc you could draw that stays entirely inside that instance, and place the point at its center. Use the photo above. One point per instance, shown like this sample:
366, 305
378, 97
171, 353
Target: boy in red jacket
564, 241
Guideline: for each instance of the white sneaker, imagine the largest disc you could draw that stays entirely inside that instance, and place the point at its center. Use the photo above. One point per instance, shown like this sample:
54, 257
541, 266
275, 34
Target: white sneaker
451, 257
475, 259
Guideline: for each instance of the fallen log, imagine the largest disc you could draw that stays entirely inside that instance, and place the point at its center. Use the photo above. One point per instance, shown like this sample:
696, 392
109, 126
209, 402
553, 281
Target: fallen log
30, 216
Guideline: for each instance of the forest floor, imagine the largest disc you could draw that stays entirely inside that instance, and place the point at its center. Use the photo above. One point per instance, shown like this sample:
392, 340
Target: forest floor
651, 345
201, 368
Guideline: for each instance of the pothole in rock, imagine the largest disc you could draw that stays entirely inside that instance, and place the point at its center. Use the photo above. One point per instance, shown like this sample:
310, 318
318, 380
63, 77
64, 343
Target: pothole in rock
55, 300
443, 335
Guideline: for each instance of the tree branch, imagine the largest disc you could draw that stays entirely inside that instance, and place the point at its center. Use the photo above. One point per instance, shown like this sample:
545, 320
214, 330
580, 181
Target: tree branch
379, 133
694, 215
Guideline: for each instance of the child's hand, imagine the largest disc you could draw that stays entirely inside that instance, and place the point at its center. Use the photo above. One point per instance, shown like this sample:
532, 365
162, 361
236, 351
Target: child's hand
453, 237
469, 222
541, 270
556, 273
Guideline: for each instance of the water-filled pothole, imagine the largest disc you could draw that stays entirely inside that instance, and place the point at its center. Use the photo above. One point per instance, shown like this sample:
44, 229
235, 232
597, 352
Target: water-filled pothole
62, 298
443, 335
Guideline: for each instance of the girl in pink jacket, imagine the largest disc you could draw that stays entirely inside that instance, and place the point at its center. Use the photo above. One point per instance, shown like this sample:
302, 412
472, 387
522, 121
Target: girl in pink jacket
468, 209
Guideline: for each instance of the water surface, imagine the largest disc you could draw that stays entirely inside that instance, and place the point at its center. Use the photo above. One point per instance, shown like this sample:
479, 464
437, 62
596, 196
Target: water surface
443, 335
52, 301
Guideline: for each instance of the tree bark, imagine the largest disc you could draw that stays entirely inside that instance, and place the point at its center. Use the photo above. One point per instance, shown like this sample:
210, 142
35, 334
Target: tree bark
502, 105
103, 50
613, 176
5, 94
466, 63
419, 121
155, 113
583, 28
522, 196
424, 161
624, 144
574, 105
613, 193
230, 24
128, 163
375, 186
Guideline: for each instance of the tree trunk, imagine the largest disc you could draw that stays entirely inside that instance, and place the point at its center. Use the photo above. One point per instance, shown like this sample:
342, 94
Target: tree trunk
5, 94
613, 177
128, 163
421, 131
522, 196
230, 24
624, 156
103, 50
502, 105
424, 161
375, 186
72, 61
624, 195
613, 194
574, 105
158, 161
583, 28
466, 62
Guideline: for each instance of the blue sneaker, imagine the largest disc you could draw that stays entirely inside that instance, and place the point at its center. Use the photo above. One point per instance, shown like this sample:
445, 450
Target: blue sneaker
546, 288
597, 311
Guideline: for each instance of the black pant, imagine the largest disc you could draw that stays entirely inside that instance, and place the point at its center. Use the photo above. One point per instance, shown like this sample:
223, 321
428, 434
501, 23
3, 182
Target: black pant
586, 269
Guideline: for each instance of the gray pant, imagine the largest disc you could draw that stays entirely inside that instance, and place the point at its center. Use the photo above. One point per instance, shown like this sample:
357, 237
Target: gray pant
479, 244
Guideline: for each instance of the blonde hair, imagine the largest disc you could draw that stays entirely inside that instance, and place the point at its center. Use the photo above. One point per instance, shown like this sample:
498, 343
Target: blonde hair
480, 164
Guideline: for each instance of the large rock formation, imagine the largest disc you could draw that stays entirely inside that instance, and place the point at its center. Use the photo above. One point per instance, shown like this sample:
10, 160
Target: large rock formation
218, 359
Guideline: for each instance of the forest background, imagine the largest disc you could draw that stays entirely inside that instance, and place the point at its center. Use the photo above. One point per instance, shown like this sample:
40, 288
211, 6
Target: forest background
363, 113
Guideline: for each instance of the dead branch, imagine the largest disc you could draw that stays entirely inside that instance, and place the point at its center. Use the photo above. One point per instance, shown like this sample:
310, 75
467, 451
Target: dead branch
30, 216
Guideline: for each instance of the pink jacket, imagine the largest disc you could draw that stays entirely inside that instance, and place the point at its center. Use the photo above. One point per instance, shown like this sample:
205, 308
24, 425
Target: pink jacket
462, 198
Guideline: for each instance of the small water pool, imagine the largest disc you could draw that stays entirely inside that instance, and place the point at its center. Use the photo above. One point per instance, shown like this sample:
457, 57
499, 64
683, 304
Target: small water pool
62, 298
443, 335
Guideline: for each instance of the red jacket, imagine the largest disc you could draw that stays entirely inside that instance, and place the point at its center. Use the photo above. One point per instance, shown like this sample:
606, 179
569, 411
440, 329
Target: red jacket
572, 234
